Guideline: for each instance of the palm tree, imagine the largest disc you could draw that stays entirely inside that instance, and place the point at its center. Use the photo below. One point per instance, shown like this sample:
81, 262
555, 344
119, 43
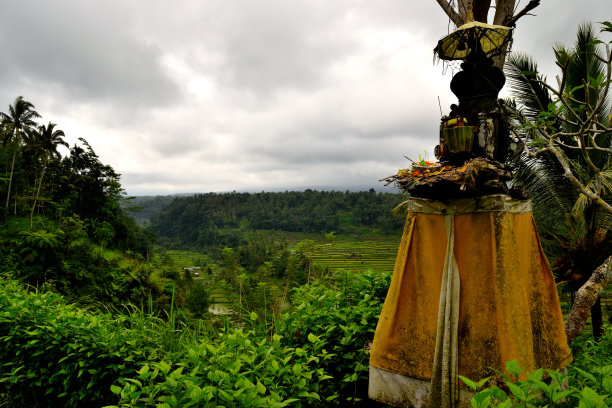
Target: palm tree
574, 229
43, 143
19, 119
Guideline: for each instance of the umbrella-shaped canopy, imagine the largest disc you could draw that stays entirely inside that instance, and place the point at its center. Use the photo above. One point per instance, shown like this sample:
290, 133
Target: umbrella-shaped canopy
472, 37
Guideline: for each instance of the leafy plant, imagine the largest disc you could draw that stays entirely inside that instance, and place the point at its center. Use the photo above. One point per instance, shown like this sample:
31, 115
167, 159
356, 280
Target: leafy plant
587, 383
54, 354
343, 313
238, 369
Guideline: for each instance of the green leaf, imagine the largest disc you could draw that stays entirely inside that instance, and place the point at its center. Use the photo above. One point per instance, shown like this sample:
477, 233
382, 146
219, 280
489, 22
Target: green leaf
536, 375
481, 399
115, 389
143, 370
559, 395
586, 374
513, 368
261, 388
517, 391
482, 382
607, 26
589, 395
471, 384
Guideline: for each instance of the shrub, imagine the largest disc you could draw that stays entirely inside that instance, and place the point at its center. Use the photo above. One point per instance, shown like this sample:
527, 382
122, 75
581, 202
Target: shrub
237, 369
342, 314
54, 354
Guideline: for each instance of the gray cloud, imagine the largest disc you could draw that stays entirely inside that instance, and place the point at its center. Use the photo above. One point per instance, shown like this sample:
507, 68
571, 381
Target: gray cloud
263, 94
84, 52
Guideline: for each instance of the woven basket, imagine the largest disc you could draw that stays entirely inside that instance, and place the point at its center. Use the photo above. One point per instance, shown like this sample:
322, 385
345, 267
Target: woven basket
459, 139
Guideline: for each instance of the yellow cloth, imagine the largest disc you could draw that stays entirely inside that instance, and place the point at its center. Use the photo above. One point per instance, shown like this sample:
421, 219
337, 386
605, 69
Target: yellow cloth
508, 307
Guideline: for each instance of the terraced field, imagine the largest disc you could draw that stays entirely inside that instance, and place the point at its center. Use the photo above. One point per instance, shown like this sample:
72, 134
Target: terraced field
354, 253
358, 254
185, 259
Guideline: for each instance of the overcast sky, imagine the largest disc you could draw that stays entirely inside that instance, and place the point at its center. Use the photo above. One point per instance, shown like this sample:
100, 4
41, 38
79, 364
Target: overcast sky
251, 95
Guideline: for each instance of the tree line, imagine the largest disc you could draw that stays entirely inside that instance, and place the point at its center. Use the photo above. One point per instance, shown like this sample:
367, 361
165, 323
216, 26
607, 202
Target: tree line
60, 213
217, 219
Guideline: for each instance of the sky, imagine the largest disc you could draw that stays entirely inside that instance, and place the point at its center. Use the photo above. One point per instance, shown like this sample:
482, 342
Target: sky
253, 95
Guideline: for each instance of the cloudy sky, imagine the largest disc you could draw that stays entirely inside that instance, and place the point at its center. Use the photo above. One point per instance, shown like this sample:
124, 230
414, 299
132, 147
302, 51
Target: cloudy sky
250, 95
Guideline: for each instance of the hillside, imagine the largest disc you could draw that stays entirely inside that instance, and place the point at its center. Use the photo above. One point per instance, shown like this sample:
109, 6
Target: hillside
212, 219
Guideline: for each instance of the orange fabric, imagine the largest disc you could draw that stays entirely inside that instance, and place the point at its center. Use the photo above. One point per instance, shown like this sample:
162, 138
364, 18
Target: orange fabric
509, 308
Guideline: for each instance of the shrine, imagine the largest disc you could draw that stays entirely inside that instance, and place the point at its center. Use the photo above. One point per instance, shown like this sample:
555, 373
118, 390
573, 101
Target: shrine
472, 288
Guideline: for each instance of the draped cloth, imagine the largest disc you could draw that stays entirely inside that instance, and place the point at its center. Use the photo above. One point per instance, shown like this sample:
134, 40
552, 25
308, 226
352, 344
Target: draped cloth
471, 290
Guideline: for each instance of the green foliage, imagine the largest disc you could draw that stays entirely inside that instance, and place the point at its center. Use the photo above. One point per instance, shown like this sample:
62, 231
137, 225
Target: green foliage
55, 354
197, 299
68, 201
588, 382
71, 264
568, 132
342, 313
218, 220
238, 369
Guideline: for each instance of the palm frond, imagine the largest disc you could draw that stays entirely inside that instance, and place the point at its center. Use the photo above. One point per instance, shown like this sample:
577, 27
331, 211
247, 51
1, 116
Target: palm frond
584, 67
552, 196
526, 84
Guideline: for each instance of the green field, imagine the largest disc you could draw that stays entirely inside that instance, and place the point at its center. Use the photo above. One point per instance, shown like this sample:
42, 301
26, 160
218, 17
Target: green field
358, 254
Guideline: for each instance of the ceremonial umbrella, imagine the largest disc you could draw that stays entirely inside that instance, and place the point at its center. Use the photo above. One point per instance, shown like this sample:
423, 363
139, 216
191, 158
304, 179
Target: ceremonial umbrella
473, 36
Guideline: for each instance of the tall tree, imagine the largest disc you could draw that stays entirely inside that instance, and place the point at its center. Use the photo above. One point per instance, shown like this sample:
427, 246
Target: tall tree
44, 141
568, 162
20, 118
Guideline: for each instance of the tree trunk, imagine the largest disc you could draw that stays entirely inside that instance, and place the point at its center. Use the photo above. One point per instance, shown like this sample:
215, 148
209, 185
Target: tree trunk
586, 297
42, 173
8, 194
504, 10
481, 10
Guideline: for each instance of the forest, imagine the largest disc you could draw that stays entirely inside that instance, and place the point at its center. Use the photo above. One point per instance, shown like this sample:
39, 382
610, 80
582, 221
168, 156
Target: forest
206, 220
251, 299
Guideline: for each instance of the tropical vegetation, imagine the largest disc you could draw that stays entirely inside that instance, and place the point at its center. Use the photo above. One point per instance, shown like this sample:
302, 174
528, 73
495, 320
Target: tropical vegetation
568, 134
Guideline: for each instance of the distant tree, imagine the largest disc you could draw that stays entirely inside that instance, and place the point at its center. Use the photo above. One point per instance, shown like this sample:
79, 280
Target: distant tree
197, 299
20, 118
104, 233
330, 237
305, 248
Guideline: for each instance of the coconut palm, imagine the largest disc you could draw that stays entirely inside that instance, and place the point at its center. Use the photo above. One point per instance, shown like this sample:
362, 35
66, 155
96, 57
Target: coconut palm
20, 118
43, 143
574, 229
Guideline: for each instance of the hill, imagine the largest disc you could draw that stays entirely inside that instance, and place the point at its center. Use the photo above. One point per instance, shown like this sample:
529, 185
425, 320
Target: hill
213, 219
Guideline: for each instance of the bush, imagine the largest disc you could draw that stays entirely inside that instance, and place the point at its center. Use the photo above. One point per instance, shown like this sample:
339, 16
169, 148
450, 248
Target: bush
55, 354
342, 314
325, 335
237, 369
